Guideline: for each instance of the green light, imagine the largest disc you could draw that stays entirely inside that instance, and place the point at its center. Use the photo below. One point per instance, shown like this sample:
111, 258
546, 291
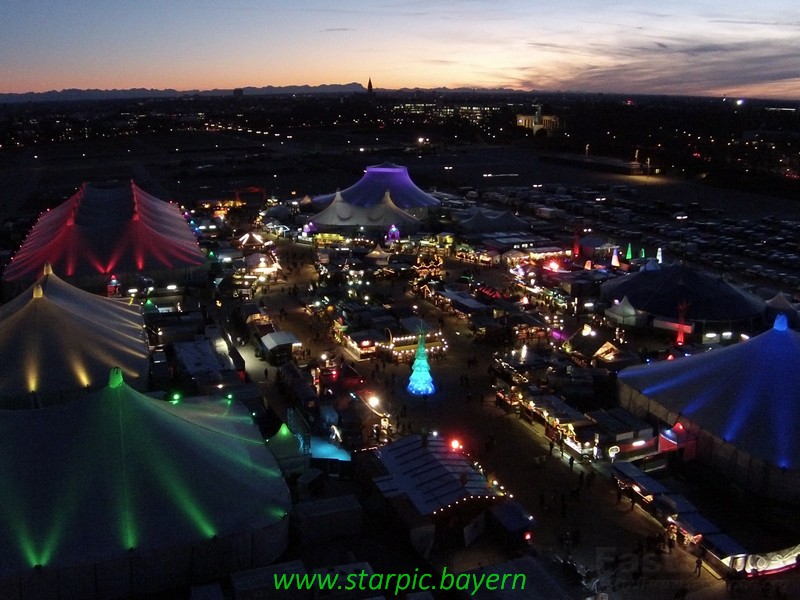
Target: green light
38, 535
172, 479
115, 378
126, 514
277, 512
128, 530
176, 398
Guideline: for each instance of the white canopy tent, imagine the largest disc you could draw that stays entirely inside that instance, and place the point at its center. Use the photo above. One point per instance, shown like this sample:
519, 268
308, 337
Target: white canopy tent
58, 340
341, 214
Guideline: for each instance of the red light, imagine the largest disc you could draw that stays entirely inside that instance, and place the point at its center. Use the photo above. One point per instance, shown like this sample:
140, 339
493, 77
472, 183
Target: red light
553, 265
528, 536
455, 444
679, 426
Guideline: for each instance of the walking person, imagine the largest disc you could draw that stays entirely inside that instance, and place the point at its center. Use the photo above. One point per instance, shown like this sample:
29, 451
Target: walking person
698, 566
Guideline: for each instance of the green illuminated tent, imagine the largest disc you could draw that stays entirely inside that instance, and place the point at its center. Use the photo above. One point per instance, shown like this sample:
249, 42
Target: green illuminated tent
119, 494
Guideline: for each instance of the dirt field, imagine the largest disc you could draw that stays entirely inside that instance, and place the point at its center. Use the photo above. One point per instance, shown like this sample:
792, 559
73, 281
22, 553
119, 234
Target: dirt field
192, 166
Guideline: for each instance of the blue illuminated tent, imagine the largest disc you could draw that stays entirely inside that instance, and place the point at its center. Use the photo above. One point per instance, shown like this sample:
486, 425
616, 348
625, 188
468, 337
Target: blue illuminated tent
372, 187
741, 401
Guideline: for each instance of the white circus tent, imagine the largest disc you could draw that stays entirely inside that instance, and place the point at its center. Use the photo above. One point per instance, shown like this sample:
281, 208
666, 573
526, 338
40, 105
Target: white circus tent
58, 340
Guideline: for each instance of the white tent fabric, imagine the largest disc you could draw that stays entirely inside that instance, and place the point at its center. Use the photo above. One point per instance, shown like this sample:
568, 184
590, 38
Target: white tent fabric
279, 338
780, 304
623, 313
429, 474
780, 301
378, 255
119, 479
371, 188
341, 214
57, 340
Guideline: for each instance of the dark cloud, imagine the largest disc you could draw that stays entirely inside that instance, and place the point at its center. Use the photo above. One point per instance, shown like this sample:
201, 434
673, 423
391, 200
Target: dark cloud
755, 22
691, 68
546, 45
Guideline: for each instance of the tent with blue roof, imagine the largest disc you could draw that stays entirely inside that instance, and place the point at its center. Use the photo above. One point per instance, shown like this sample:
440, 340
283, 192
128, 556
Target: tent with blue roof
740, 401
371, 189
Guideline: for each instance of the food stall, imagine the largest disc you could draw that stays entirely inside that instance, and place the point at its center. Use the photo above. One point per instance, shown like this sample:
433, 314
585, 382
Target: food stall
667, 507
724, 553
693, 527
645, 488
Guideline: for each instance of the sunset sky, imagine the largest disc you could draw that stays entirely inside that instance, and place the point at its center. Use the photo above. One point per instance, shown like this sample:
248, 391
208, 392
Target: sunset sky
702, 47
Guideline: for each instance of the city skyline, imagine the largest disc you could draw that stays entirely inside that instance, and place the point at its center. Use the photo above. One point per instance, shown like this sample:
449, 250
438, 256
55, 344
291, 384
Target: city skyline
702, 49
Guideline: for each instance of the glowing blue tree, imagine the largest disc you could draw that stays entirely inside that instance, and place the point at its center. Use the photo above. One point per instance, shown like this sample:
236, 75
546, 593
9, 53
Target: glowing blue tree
420, 382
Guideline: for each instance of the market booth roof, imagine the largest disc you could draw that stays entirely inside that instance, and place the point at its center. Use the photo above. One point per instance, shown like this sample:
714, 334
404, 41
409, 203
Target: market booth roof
429, 473
377, 179
58, 340
276, 339
98, 489
105, 230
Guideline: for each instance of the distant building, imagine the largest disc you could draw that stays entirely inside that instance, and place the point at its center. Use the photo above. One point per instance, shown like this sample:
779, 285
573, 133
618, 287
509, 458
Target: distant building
538, 122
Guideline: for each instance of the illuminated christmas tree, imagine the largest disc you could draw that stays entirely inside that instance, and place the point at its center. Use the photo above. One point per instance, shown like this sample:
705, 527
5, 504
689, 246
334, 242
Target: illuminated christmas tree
420, 382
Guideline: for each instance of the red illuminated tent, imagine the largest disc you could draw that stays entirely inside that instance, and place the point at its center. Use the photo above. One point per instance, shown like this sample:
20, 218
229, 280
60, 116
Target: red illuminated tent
105, 230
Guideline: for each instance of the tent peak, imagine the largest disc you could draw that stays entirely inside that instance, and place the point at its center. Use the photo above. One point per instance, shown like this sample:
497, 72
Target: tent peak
37, 291
48, 269
115, 378
781, 323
